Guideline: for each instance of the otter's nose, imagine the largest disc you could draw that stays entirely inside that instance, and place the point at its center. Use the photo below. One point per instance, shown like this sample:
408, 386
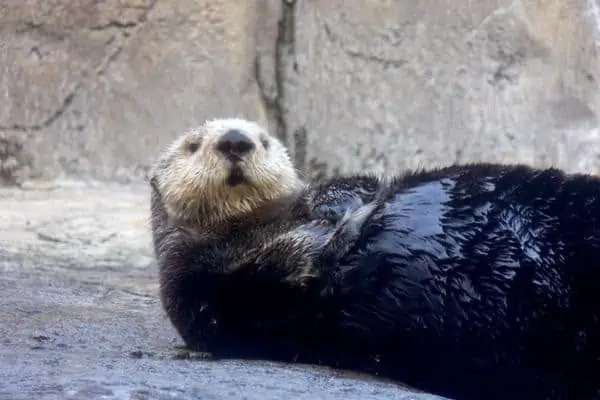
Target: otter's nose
234, 144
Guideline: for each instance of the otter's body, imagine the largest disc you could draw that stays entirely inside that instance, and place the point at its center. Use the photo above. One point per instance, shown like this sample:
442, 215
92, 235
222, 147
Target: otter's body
473, 281
477, 282
229, 274
229, 215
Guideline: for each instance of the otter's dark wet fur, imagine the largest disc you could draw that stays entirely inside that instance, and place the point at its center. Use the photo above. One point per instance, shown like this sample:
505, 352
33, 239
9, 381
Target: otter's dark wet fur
231, 292
474, 281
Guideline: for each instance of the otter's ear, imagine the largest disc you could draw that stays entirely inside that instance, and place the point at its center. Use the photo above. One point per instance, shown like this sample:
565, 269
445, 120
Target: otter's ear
153, 182
151, 177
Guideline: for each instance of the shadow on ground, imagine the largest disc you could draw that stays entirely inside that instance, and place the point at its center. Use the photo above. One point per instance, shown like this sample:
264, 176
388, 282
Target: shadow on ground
80, 316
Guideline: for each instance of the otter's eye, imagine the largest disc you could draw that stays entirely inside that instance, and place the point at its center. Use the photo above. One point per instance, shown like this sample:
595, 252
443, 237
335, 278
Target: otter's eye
192, 147
264, 142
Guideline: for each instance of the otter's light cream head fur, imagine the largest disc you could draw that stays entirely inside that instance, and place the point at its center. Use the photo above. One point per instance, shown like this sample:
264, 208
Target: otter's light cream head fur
193, 177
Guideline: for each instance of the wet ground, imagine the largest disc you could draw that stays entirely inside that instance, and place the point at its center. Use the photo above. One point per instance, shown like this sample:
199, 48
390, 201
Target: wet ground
80, 316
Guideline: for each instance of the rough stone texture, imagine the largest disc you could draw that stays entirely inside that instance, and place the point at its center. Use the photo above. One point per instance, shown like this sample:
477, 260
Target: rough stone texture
387, 84
93, 89
80, 316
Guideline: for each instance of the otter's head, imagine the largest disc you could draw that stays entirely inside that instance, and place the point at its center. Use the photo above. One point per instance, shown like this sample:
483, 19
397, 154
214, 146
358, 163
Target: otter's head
224, 168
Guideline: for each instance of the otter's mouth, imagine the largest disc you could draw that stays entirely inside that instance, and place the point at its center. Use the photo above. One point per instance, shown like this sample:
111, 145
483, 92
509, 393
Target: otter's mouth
236, 176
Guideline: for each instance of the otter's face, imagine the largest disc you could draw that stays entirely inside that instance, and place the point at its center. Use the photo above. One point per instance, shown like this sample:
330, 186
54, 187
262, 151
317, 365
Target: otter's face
223, 168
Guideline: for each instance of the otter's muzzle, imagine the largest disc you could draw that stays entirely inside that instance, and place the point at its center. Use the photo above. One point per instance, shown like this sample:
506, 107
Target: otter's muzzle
235, 145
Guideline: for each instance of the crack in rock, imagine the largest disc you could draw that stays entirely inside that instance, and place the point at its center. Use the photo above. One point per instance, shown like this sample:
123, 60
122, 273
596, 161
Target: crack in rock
66, 103
274, 99
114, 24
376, 59
383, 61
284, 47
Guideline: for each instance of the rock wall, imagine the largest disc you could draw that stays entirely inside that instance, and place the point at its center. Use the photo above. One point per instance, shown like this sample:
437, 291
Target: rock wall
93, 89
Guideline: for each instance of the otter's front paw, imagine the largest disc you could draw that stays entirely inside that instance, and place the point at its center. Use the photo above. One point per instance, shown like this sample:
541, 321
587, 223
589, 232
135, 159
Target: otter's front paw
335, 212
346, 233
187, 354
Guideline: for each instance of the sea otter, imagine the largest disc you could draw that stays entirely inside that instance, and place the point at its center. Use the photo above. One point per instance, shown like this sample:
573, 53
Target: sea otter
475, 281
227, 202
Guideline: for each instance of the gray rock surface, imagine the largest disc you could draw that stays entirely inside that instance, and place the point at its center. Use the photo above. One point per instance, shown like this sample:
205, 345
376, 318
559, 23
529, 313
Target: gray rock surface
397, 84
94, 88
80, 317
